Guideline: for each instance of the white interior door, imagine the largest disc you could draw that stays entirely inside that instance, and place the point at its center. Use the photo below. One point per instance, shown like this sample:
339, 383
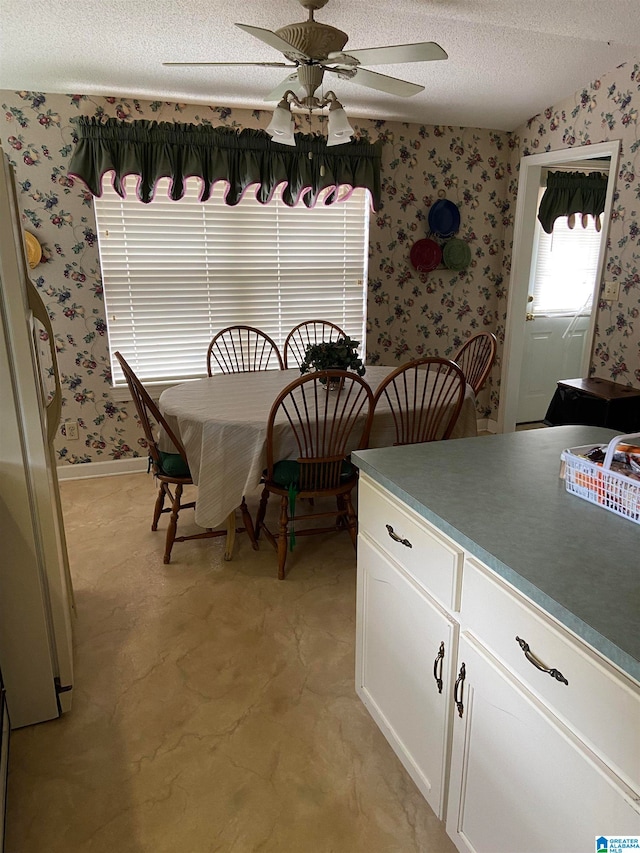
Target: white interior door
521, 372
553, 350
563, 285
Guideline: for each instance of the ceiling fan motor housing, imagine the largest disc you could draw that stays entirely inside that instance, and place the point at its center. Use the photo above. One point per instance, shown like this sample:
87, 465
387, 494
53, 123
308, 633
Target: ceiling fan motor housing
313, 5
314, 39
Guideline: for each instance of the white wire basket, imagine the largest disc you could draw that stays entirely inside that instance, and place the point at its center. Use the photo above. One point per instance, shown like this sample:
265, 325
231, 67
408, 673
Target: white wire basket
598, 484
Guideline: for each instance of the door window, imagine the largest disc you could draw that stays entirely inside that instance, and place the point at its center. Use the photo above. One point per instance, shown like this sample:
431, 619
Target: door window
565, 266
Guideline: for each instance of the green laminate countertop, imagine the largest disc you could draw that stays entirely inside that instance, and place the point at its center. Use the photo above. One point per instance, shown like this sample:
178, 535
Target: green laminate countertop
500, 498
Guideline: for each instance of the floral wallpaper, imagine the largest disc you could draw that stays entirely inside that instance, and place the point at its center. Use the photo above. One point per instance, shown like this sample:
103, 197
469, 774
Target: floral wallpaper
409, 313
412, 314
606, 109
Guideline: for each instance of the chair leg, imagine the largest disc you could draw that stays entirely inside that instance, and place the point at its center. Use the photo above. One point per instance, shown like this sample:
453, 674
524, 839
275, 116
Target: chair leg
248, 524
262, 511
231, 536
173, 523
157, 510
352, 519
282, 536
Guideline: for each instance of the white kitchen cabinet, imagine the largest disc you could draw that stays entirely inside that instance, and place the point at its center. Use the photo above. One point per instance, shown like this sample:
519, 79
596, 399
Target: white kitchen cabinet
512, 757
405, 643
599, 702
521, 781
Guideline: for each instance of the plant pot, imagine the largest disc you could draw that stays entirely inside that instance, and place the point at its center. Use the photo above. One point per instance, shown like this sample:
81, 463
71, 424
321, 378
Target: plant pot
333, 384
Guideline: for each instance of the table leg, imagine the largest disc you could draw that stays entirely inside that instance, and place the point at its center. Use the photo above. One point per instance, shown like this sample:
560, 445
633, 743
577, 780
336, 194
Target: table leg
231, 536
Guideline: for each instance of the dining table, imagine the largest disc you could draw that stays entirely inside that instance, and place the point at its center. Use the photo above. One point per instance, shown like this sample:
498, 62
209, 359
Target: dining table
222, 423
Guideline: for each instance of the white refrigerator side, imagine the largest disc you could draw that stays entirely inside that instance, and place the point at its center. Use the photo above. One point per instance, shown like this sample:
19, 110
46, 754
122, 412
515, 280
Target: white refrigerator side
35, 625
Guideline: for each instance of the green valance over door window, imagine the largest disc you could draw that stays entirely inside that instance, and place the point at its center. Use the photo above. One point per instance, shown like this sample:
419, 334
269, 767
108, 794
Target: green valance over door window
572, 192
153, 150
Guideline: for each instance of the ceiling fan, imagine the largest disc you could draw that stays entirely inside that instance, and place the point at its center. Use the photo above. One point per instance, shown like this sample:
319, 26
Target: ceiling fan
314, 48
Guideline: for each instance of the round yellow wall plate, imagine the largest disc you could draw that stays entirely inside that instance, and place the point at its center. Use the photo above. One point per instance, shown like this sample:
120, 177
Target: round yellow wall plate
34, 249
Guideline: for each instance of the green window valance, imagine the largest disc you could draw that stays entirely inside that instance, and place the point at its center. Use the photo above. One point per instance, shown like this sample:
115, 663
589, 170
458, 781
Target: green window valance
153, 150
572, 192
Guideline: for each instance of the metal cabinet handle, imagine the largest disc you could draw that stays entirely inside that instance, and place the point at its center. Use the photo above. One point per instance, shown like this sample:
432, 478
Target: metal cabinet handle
439, 659
397, 538
460, 683
554, 673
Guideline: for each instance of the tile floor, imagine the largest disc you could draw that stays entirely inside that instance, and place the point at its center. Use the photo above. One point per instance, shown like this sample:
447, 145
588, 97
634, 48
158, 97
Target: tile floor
214, 706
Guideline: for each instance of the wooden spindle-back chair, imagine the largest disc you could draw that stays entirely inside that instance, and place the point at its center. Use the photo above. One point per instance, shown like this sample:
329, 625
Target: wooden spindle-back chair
425, 397
309, 332
475, 358
171, 470
242, 349
323, 425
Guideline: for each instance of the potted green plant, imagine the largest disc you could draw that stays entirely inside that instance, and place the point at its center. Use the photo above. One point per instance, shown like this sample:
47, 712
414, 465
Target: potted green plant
333, 355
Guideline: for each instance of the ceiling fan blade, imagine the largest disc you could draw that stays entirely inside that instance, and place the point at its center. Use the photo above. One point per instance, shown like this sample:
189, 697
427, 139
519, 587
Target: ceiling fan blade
373, 80
289, 83
262, 64
273, 40
424, 51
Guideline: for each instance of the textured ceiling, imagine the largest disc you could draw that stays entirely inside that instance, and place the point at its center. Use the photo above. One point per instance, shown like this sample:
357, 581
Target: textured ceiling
508, 59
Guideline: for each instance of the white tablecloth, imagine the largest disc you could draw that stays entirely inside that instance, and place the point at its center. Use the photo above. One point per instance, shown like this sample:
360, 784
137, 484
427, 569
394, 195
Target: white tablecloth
222, 422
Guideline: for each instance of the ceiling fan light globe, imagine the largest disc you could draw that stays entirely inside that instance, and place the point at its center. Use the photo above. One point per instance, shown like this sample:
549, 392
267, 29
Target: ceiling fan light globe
338, 139
339, 130
283, 138
281, 127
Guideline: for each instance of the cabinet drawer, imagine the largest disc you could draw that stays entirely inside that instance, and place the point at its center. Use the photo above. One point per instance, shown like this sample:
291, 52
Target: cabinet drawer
599, 703
431, 560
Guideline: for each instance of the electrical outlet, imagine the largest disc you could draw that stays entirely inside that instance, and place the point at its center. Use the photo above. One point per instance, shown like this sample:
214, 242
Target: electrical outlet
611, 291
71, 430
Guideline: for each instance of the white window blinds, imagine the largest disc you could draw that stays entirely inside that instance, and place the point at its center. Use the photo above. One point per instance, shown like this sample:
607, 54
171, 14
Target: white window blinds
566, 266
176, 272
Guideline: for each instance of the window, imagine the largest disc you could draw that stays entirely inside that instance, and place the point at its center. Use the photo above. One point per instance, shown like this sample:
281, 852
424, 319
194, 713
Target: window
566, 266
176, 272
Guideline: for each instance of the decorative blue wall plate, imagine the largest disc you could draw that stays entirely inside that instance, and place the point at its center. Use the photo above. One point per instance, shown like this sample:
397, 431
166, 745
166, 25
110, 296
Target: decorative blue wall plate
444, 218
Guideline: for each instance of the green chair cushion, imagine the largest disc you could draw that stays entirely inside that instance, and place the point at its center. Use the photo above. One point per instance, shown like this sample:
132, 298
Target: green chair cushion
173, 465
287, 472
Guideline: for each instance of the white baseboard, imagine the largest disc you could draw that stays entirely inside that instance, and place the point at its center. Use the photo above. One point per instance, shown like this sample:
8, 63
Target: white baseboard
140, 464
488, 425
82, 470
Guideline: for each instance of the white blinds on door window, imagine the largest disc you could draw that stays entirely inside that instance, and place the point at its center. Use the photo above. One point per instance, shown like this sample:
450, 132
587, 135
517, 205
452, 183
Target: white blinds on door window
566, 265
176, 272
